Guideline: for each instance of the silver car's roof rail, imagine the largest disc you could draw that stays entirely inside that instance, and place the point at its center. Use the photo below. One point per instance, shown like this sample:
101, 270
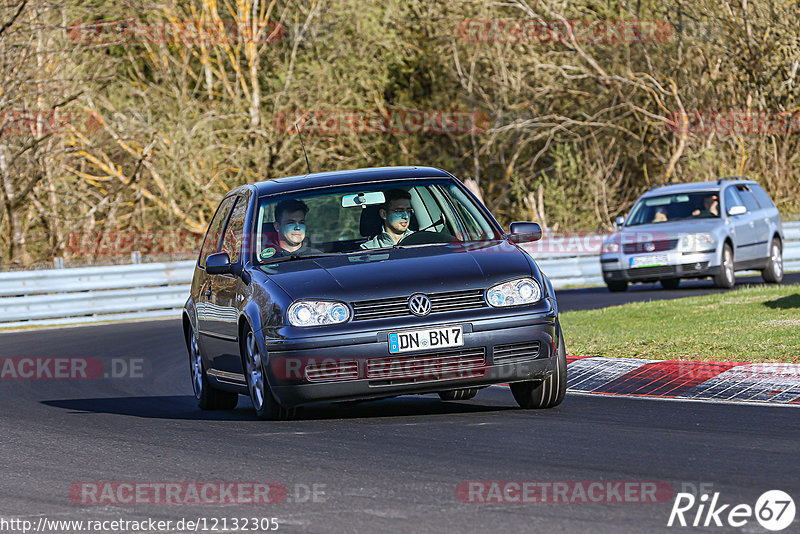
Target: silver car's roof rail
733, 179
662, 184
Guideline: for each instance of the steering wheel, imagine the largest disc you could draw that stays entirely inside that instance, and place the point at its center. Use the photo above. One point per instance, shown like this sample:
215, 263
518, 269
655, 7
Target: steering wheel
426, 238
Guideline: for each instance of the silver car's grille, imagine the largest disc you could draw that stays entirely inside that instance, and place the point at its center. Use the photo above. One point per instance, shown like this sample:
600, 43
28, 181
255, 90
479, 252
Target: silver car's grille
516, 352
398, 306
657, 246
445, 365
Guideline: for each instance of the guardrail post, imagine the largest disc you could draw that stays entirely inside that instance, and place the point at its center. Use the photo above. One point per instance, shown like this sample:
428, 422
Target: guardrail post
136, 257
58, 263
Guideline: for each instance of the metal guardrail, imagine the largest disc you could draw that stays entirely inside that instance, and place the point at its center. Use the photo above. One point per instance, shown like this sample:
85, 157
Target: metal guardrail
96, 294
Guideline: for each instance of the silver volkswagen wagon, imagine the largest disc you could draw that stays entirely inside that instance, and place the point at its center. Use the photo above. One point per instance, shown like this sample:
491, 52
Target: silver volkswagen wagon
696, 230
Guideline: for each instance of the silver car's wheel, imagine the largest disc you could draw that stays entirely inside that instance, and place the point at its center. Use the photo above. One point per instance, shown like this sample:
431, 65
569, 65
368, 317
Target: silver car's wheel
255, 372
726, 278
773, 274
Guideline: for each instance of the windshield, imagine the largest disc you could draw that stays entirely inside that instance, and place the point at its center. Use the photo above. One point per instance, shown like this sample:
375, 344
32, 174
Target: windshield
668, 208
356, 219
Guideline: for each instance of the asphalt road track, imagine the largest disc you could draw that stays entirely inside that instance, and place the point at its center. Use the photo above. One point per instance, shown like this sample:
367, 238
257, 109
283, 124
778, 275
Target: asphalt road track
387, 466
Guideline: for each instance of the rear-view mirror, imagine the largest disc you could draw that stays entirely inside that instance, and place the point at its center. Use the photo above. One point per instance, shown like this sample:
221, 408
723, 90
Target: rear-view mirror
363, 199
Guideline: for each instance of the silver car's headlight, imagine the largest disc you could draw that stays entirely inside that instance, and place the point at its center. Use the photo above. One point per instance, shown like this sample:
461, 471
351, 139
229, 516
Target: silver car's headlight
694, 242
514, 293
317, 313
610, 247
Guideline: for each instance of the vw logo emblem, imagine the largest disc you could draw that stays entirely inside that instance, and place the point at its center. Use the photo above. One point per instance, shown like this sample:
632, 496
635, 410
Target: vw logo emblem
419, 304
649, 247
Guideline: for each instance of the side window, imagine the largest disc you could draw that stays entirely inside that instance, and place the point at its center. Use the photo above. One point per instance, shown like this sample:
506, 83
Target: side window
748, 198
732, 199
214, 232
763, 198
232, 242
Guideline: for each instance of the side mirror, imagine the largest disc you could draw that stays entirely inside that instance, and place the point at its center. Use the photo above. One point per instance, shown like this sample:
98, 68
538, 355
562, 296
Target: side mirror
737, 210
619, 221
525, 232
219, 263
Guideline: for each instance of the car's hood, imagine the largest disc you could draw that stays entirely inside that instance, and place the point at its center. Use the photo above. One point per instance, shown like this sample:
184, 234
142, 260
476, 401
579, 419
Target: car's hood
400, 272
665, 230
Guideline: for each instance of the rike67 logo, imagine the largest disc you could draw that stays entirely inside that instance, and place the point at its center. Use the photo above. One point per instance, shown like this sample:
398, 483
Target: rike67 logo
774, 510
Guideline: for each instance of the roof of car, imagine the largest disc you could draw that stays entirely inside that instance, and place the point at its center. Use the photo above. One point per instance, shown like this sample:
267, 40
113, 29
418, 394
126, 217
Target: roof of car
668, 189
355, 176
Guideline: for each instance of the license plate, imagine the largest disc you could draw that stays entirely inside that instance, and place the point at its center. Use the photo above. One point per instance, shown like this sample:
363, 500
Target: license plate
656, 260
429, 338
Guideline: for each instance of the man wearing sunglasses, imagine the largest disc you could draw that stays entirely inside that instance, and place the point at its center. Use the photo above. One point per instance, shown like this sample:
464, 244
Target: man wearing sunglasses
396, 214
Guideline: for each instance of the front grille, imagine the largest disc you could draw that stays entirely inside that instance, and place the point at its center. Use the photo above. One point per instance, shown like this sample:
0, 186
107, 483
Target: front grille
398, 306
646, 272
332, 370
516, 352
446, 365
659, 246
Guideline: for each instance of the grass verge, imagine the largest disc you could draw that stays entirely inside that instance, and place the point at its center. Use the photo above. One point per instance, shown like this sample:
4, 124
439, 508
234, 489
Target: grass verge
752, 324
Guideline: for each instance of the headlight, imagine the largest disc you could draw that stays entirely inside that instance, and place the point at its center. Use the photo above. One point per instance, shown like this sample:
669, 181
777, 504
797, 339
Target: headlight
694, 242
514, 293
610, 247
317, 313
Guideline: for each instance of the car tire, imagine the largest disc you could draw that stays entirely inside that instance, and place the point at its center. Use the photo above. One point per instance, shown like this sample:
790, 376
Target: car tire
773, 274
549, 392
266, 405
206, 396
458, 394
726, 278
617, 287
670, 283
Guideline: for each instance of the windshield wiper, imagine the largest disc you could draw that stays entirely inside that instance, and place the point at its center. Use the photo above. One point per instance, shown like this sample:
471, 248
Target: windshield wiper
293, 257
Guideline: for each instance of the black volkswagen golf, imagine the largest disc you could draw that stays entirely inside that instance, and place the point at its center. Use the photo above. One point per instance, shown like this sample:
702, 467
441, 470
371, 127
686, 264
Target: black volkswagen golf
367, 284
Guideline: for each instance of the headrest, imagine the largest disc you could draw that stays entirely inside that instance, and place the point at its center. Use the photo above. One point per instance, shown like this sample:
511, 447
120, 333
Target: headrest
371, 223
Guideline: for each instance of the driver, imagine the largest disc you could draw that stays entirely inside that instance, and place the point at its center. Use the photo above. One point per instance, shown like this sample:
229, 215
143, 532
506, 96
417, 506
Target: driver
289, 237
396, 214
710, 207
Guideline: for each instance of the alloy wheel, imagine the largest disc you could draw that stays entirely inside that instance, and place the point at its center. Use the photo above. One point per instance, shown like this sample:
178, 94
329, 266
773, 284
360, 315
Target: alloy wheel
255, 373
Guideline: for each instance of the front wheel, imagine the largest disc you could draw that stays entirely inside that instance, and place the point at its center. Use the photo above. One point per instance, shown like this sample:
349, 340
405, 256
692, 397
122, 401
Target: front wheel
206, 396
616, 287
266, 405
773, 274
726, 278
549, 392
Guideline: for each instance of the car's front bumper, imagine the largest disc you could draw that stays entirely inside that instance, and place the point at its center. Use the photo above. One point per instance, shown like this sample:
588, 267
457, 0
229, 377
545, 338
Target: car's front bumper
532, 334
616, 267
